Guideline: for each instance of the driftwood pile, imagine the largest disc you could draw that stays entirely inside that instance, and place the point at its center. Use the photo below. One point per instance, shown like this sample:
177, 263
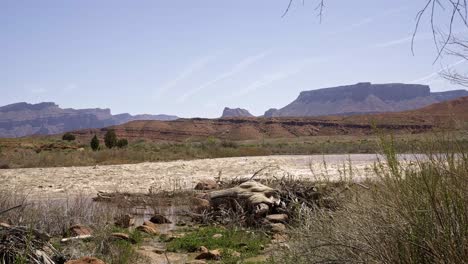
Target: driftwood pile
255, 203
25, 245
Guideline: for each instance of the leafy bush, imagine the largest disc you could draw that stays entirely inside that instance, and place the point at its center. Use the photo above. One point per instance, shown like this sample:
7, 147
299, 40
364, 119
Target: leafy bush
121, 143
110, 139
94, 143
68, 136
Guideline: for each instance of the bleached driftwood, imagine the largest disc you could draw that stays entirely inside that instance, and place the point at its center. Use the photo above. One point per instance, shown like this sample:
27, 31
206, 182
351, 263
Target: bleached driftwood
68, 239
259, 196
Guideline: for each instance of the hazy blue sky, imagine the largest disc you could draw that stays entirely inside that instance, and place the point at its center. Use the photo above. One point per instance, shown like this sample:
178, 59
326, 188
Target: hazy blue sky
192, 58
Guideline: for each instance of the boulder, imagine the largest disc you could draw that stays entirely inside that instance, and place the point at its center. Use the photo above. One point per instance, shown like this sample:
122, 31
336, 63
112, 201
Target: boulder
125, 221
86, 260
200, 205
151, 224
160, 219
210, 255
202, 249
80, 230
277, 228
147, 229
206, 184
123, 236
196, 261
277, 218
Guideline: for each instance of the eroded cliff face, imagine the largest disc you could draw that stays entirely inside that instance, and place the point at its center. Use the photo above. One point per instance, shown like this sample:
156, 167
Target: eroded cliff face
23, 119
235, 112
363, 98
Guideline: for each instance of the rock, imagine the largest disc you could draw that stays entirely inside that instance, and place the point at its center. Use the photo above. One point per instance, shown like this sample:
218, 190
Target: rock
210, 255
206, 184
86, 260
204, 196
160, 219
199, 205
151, 224
279, 238
202, 249
125, 221
277, 228
277, 218
147, 229
196, 261
157, 250
80, 230
123, 236
216, 236
235, 112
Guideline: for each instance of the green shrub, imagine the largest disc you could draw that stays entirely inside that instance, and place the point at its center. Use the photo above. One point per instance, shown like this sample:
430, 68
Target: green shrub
94, 143
121, 143
68, 136
110, 139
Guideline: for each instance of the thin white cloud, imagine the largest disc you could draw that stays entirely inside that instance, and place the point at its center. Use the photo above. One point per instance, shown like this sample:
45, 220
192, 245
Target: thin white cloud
428, 79
367, 20
239, 67
404, 40
395, 42
187, 72
268, 79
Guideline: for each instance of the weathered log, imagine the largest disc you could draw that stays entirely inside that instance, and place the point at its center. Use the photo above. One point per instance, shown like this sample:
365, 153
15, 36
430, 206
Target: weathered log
253, 192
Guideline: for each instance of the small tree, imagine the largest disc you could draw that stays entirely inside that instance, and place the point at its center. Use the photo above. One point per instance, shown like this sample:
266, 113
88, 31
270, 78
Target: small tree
121, 143
95, 143
110, 139
68, 136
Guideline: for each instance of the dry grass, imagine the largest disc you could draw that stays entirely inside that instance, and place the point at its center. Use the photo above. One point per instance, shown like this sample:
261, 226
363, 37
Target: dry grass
24, 153
411, 214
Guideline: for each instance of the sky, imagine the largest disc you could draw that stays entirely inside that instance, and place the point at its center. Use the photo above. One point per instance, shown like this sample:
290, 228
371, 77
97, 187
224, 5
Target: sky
193, 58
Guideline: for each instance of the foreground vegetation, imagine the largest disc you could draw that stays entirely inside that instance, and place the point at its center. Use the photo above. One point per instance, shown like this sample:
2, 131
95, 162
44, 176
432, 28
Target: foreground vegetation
410, 213
50, 152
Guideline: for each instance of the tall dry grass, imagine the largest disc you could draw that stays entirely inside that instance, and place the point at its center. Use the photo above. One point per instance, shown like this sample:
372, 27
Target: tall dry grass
413, 213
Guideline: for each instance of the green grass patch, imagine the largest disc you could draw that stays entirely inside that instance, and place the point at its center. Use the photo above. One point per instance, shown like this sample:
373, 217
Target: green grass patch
248, 243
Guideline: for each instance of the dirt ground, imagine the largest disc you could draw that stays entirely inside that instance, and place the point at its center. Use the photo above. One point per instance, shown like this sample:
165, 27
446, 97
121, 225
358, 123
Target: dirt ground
53, 183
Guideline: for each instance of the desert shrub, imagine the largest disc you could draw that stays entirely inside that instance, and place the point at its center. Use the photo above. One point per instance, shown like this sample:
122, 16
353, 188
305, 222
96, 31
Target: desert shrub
110, 139
413, 213
121, 143
68, 136
94, 143
229, 144
4, 165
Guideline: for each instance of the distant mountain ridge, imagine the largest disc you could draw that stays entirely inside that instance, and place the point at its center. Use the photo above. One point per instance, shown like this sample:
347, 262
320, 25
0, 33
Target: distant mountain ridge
363, 98
235, 112
23, 119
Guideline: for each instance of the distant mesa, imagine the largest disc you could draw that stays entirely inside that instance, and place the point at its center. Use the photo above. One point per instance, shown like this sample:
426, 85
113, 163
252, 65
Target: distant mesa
24, 119
235, 112
363, 98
